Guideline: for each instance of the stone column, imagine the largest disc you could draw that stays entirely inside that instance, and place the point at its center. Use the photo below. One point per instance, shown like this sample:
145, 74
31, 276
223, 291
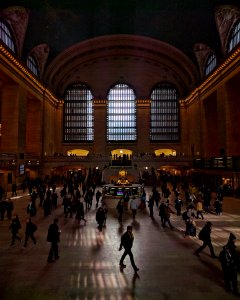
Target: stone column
143, 125
222, 118
100, 129
13, 119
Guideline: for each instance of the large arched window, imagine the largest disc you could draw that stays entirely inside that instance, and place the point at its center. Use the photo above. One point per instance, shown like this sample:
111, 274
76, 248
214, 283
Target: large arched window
164, 114
121, 121
78, 114
33, 65
234, 37
211, 63
6, 36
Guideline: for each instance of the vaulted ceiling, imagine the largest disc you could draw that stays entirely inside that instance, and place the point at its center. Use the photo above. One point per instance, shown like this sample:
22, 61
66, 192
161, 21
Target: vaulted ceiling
65, 25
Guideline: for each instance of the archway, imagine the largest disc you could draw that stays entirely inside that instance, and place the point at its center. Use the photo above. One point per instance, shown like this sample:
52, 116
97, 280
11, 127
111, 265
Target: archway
165, 152
77, 152
121, 157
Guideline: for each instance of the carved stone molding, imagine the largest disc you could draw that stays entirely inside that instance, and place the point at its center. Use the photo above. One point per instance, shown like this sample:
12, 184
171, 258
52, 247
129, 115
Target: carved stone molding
17, 17
225, 17
41, 53
202, 52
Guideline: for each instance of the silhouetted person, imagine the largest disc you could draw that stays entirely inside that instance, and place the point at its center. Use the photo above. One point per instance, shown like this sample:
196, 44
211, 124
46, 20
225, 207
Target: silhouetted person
9, 208
230, 262
53, 237
120, 209
14, 189
150, 205
98, 196
80, 211
127, 243
205, 236
3, 205
15, 226
100, 218
29, 231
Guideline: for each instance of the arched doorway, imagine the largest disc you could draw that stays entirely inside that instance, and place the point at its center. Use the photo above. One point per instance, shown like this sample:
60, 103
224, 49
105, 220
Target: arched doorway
121, 157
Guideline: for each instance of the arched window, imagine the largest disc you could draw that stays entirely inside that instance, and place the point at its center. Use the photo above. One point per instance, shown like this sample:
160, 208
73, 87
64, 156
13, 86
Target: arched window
121, 111
6, 36
210, 64
78, 114
164, 114
33, 65
234, 37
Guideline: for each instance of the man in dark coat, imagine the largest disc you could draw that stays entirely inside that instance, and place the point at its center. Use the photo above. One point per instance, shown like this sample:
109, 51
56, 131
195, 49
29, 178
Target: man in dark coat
14, 227
53, 237
98, 196
100, 218
230, 262
127, 243
205, 236
29, 232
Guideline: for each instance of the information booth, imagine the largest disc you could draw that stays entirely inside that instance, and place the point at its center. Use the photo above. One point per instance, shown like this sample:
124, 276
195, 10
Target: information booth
117, 191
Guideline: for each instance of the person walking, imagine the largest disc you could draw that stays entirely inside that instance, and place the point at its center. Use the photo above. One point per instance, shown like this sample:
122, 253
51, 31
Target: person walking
199, 207
178, 205
150, 206
3, 204
205, 236
229, 260
133, 206
29, 232
127, 243
9, 208
162, 207
98, 196
80, 212
53, 237
166, 217
120, 209
100, 218
14, 227
14, 189
188, 216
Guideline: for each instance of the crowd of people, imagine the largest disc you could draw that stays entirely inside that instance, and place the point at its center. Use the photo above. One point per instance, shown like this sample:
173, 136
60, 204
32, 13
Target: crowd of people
77, 199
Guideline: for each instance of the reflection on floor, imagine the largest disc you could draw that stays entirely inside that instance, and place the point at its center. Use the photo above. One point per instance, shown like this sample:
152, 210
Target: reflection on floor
88, 267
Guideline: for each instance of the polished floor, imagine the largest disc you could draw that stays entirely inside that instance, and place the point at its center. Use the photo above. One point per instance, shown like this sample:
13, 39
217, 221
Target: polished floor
88, 267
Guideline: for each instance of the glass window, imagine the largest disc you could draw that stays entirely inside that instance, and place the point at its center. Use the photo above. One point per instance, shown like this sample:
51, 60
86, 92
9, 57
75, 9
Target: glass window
210, 64
6, 36
78, 114
164, 114
121, 114
234, 37
32, 65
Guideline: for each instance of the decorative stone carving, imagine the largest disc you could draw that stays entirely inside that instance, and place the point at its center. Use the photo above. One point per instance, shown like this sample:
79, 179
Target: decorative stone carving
225, 17
41, 53
17, 17
201, 52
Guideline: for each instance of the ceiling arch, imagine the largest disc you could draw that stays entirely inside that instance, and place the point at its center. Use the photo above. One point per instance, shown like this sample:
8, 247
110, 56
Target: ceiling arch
141, 61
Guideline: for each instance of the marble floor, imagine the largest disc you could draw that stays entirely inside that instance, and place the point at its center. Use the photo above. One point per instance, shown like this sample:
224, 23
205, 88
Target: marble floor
88, 268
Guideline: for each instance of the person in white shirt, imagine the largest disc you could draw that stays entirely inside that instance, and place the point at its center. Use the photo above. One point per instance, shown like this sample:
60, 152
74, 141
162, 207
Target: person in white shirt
133, 206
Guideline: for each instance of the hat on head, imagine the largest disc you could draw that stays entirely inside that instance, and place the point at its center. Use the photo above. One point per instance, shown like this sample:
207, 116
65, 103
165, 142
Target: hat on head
232, 237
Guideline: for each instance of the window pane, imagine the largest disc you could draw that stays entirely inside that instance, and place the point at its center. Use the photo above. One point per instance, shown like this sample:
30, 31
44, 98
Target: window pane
32, 65
121, 122
78, 114
210, 64
6, 37
164, 114
235, 37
